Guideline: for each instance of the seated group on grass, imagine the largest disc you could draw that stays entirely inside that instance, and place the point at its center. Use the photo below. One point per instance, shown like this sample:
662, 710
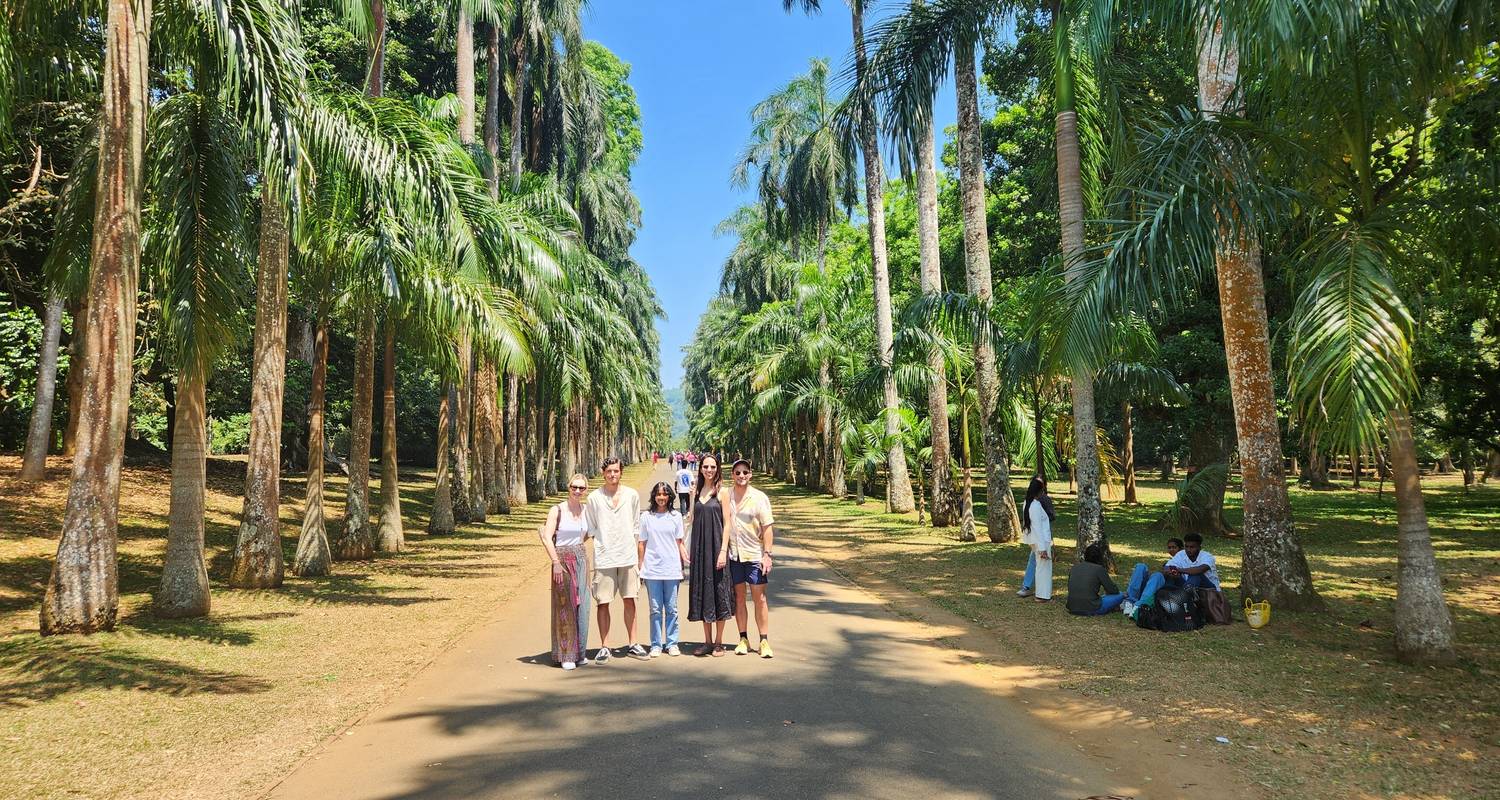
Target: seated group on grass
1092, 592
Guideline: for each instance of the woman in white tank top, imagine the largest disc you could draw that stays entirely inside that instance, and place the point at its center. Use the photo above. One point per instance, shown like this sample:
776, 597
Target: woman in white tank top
563, 536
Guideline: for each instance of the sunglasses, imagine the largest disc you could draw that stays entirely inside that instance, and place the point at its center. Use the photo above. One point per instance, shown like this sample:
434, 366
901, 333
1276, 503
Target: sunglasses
742, 474
577, 488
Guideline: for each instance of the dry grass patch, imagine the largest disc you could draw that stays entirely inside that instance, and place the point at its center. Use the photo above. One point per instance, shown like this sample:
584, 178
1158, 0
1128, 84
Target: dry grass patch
1314, 705
223, 706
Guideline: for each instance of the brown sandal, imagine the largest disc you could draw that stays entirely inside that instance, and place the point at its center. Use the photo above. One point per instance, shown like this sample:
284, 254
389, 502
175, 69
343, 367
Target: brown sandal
720, 651
703, 650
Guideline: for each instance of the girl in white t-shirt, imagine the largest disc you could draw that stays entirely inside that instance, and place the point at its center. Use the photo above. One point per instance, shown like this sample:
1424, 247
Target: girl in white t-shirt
662, 553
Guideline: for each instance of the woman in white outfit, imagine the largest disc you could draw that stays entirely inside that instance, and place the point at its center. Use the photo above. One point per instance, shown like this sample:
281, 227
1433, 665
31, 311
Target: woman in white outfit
1036, 530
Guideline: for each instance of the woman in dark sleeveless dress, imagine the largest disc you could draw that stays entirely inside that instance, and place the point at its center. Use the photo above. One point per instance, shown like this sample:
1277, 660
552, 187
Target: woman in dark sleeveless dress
710, 594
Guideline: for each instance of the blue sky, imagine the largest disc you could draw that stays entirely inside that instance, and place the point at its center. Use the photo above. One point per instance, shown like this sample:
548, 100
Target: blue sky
697, 67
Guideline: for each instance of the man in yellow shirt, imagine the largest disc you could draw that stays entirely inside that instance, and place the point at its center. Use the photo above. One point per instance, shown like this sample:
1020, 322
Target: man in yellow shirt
748, 538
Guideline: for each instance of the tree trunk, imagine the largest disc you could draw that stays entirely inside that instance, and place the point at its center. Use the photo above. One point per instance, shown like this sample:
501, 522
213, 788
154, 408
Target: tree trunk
1491, 466
1038, 432
353, 541
1354, 468
314, 556
492, 106
1315, 474
518, 108
1003, 520
1424, 628
966, 497
392, 536
258, 561
83, 592
184, 577
932, 285
515, 481
442, 522
459, 395
534, 441
1070, 216
484, 442
899, 481
75, 376
1127, 453
838, 484
1275, 567
498, 490
39, 435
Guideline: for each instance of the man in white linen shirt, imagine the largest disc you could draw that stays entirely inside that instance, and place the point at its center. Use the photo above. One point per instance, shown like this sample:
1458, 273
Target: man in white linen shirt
613, 516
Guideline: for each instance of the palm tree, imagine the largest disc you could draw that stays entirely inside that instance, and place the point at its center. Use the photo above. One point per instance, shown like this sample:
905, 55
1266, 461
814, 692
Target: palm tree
900, 480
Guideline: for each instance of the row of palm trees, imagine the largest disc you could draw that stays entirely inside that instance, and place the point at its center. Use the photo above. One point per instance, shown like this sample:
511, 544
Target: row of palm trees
387, 220
1273, 151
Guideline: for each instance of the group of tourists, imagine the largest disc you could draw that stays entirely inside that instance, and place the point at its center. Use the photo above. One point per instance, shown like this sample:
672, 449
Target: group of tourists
1091, 590
722, 534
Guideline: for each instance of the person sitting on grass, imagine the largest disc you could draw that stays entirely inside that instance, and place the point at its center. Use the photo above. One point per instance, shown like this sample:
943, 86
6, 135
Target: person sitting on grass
1195, 566
1144, 582
1086, 579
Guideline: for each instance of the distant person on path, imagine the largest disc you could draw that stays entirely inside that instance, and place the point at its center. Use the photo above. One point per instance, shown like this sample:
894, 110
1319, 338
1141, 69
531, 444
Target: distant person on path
1195, 566
748, 538
662, 552
684, 487
1037, 516
710, 591
563, 535
613, 516
1086, 579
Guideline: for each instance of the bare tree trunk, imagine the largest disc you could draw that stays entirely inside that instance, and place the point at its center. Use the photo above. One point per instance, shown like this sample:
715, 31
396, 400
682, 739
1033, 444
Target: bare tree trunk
1424, 628
354, 542
515, 481
1491, 466
459, 396
39, 435
518, 108
1354, 467
966, 497
75, 376
83, 593
534, 441
499, 474
932, 285
392, 536
442, 522
258, 561
314, 556
837, 481
1003, 520
184, 577
899, 481
484, 443
1127, 454
1275, 567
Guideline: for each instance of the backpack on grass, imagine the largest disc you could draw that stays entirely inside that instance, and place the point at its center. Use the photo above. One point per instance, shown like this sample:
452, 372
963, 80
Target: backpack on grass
1174, 610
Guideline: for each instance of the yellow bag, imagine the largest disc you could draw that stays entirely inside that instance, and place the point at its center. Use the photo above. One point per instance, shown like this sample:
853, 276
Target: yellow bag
1258, 614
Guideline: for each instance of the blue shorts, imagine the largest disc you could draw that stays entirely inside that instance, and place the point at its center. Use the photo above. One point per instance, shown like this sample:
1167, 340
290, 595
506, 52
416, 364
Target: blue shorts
747, 572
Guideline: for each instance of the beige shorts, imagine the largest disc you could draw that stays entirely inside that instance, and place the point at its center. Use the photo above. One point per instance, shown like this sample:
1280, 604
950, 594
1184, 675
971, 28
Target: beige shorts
611, 581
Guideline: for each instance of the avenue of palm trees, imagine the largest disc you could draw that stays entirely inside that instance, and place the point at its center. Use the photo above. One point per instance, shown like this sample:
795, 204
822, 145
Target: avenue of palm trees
252, 189
1299, 168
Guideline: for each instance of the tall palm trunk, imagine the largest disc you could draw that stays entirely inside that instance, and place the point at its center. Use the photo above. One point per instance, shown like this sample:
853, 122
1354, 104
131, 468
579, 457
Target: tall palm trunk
1002, 520
441, 522
391, 538
459, 399
74, 384
899, 482
516, 472
83, 592
518, 105
184, 577
39, 435
313, 553
1127, 453
1424, 628
1275, 567
353, 541
1070, 217
484, 447
258, 561
932, 285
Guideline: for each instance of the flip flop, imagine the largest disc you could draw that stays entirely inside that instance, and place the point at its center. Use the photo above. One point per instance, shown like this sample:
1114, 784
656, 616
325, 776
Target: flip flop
720, 651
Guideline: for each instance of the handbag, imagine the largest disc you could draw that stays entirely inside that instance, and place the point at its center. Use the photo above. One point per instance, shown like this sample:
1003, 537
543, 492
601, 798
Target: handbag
1258, 614
1215, 607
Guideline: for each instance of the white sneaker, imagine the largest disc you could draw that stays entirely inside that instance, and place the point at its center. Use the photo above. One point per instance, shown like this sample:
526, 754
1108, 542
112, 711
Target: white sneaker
567, 665
1024, 593
674, 651
1127, 608
655, 651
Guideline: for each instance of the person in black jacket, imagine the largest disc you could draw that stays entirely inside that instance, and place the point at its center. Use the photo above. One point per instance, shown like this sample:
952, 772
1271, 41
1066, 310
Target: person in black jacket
1085, 581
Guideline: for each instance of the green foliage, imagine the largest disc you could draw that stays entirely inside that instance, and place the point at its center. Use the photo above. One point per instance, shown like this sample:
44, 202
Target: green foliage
229, 435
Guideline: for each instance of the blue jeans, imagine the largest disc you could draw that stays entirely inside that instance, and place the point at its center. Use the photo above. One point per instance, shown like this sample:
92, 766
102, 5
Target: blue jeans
1197, 581
1108, 603
1142, 587
663, 596
1029, 579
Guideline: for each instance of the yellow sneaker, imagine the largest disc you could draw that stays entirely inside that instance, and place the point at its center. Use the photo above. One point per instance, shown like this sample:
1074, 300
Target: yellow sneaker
743, 648
765, 648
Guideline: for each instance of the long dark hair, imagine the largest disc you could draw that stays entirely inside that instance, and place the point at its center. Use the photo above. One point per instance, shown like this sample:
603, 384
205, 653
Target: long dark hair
1034, 493
718, 476
659, 488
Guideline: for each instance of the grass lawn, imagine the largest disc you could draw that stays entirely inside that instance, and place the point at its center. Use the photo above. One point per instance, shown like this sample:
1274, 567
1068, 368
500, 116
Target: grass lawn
1313, 705
223, 706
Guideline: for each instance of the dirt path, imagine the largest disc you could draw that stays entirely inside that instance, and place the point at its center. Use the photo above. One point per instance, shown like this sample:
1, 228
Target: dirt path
859, 702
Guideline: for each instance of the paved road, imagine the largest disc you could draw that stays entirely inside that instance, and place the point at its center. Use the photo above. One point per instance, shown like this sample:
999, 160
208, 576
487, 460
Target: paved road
858, 703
